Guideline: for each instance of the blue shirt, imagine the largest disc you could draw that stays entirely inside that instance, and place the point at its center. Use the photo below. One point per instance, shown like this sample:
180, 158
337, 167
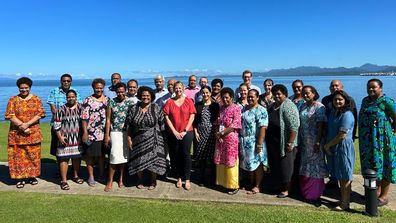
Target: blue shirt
57, 97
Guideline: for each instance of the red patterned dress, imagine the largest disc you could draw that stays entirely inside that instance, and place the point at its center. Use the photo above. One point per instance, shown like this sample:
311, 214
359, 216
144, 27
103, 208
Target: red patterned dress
24, 150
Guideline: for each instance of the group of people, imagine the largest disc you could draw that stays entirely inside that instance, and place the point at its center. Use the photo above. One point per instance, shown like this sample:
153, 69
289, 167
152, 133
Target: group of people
231, 135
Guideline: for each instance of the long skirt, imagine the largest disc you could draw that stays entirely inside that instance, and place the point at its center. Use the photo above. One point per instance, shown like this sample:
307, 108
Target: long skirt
119, 149
228, 177
311, 188
24, 161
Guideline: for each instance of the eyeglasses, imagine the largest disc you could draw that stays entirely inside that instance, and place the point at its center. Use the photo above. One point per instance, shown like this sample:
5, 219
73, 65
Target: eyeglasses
66, 81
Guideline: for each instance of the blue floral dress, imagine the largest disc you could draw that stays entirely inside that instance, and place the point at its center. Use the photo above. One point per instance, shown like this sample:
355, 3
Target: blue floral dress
252, 120
377, 141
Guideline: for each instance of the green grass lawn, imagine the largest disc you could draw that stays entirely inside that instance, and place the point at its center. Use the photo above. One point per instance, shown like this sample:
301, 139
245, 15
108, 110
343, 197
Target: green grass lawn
46, 157
36, 207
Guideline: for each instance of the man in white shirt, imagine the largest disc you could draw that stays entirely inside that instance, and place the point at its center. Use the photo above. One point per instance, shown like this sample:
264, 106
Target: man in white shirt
247, 76
160, 91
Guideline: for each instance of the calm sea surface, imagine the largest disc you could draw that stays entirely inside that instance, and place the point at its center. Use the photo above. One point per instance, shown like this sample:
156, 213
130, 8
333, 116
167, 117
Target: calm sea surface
354, 85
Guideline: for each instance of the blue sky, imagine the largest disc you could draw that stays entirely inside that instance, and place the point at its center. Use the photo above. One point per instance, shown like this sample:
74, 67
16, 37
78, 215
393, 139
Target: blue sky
101, 37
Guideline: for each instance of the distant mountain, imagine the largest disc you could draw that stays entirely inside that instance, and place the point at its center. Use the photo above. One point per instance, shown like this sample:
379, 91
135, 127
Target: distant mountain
318, 71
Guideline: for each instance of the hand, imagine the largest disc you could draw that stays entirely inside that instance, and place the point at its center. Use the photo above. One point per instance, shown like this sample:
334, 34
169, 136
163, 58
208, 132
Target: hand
220, 140
259, 148
62, 140
106, 140
289, 148
23, 126
130, 144
326, 148
219, 135
197, 137
84, 137
178, 135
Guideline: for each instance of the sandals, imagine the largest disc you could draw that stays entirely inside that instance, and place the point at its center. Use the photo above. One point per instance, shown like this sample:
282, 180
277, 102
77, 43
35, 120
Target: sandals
187, 187
282, 195
78, 180
343, 206
20, 184
33, 181
91, 182
64, 185
152, 186
382, 202
107, 188
233, 192
140, 186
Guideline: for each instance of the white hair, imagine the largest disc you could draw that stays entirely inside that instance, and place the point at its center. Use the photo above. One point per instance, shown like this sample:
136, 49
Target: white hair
159, 76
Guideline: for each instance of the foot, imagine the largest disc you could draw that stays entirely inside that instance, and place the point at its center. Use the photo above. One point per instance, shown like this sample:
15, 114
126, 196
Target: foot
382, 202
64, 185
254, 190
152, 186
140, 186
187, 186
120, 184
77, 180
282, 195
233, 191
33, 181
108, 188
91, 182
179, 183
20, 184
343, 206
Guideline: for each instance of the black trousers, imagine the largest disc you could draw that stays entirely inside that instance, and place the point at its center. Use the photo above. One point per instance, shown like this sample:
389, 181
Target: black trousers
180, 156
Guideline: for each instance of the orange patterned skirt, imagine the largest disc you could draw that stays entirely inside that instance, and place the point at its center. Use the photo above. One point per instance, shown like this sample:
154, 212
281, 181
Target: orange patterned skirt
24, 161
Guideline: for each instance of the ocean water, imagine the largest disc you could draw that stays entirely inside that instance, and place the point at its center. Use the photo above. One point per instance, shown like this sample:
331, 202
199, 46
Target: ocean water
354, 85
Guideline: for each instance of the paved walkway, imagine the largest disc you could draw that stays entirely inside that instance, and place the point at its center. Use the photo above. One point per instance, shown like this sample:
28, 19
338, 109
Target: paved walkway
166, 189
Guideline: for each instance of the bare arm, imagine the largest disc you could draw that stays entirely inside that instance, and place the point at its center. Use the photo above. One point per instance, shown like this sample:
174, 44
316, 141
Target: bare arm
53, 109
107, 127
320, 126
292, 137
260, 139
337, 139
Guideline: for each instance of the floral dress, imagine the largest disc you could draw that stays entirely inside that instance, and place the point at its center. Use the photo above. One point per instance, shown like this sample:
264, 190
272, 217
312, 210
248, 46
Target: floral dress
377, 141
252, 120
94, 113
312, 163
226, 152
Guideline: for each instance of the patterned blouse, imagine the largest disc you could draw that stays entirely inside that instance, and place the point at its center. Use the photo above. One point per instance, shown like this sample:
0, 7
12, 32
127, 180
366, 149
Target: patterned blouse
94, 113
119, 112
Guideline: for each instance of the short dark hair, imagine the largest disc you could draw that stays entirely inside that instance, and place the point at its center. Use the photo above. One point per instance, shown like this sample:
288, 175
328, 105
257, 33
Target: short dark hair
71, 91
255, 92
24, 80
66, 75
247, 72
143, 89
98, 81
206, 87
313, 89
227, 90
379, 82
215, 81
298, 80
133, 80
120, 84
270, 80
347, 98
243, 84
115, 74
279, 87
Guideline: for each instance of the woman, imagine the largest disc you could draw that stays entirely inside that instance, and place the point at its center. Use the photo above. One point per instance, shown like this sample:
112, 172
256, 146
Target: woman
339, 146
145, 124
243, 92
377, 139
116, 114
204, 129
217, 85
179, 116
297, 97
24, 137
266, 98
226, 151
312, 163
281, 138
67, 127
93, 118
253, 149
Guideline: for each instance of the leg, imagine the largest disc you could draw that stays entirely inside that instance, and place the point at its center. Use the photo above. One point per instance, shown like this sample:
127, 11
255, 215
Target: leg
109, 184
186, 156
140, 180
173, 148
122, 171
258, 174
345, 194
384, 185
101, 166
63, 164
91, 179
153, 180
76, 163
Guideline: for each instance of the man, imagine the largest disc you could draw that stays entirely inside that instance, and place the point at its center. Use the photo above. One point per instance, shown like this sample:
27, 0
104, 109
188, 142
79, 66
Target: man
192, 87
336, 85
159, 91
57, 98
110, 91
203, 81
247, 79
132, 86
171, 90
